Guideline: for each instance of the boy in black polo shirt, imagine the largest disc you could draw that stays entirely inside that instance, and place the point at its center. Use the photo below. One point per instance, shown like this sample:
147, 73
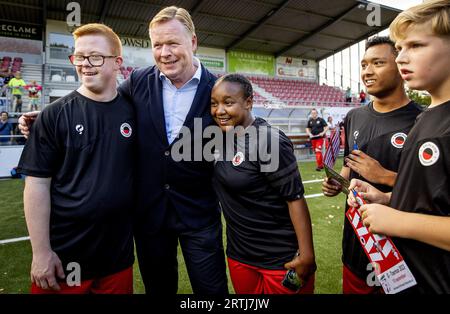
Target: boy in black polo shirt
78, 194
374, 135
419, 207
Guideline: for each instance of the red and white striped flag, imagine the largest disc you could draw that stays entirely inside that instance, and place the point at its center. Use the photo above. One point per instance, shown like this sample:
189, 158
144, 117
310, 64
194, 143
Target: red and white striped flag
333, 149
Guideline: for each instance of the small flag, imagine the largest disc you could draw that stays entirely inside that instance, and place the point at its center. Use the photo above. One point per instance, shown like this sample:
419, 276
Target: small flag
332, 151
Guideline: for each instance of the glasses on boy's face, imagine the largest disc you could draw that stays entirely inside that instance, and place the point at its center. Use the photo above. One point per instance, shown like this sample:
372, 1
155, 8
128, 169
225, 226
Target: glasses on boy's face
94, 60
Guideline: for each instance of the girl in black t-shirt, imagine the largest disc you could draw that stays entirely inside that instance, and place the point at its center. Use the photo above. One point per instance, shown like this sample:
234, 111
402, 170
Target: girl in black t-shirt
261, 194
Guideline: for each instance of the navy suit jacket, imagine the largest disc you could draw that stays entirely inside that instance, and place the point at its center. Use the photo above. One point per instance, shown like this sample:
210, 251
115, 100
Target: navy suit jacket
187, 185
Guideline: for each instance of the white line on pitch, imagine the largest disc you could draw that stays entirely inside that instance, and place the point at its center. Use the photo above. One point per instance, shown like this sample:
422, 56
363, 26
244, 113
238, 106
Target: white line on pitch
14, 240
314, 195
28, 238
313, 181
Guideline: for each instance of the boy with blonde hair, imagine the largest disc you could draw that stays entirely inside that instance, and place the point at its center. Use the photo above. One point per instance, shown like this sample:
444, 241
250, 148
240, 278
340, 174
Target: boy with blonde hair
80, 147
419, 207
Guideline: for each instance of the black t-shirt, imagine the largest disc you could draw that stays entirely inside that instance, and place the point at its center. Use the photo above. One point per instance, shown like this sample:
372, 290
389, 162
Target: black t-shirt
316, 126
381, 136
423, 187
254, 200
87, 148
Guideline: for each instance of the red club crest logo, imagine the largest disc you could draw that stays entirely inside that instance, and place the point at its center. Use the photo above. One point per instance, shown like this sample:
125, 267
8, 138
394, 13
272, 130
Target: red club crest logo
428, 154
398, 140
126, 130
238, 159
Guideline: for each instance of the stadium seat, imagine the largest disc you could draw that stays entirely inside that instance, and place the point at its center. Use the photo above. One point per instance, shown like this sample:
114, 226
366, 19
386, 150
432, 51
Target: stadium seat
294, 92
56, 78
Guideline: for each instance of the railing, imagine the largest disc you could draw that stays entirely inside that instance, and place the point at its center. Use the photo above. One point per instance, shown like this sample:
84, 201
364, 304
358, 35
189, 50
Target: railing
12, 140
284, 103
4, 104
8, 104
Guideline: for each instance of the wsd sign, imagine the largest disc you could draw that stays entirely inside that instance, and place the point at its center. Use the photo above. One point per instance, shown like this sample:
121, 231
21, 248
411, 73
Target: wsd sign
136, 42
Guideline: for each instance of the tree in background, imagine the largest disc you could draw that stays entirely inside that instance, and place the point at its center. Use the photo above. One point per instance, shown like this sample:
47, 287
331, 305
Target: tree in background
421, 99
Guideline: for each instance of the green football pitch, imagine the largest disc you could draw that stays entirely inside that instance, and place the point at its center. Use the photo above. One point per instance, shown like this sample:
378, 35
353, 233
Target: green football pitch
327, 218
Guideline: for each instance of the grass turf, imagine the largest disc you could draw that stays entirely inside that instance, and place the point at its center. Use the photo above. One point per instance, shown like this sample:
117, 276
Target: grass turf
327, 216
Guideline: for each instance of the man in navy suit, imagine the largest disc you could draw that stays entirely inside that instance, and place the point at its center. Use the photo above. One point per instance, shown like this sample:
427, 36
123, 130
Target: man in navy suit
176, 201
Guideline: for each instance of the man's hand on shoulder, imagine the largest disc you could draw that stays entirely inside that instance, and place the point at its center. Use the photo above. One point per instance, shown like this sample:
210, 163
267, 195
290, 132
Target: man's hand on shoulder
26, 121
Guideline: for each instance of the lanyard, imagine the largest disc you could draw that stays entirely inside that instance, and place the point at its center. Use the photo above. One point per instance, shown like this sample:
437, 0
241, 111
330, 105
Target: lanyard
390, 267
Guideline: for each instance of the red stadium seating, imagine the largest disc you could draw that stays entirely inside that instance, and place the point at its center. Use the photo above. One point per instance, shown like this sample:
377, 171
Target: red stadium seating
126, 71
298, 92
6, 66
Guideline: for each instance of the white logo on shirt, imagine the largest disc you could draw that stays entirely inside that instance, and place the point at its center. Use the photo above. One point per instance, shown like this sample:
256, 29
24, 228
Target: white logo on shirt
428, 154
79, 128
238, 159
126, 130
398, 139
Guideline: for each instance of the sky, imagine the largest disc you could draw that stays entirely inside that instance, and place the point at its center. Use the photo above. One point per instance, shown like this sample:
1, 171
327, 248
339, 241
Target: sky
344, 64
399, 4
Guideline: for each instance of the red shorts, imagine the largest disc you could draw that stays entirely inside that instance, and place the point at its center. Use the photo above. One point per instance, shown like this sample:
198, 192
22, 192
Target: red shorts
118, 283
317, 145
254, 280
352, 284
